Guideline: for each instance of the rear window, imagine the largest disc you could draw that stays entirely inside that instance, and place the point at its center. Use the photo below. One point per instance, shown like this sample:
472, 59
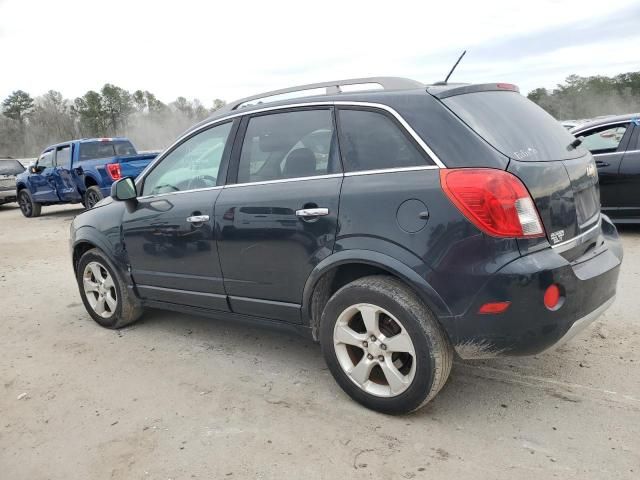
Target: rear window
10, 167
514, 125
101, 149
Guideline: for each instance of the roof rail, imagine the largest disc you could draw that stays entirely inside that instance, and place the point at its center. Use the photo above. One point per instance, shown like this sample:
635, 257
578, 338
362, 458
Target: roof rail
333, 87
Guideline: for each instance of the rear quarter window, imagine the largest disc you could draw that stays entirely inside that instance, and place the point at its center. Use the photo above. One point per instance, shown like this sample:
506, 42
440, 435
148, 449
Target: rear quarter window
372, 141
514, 125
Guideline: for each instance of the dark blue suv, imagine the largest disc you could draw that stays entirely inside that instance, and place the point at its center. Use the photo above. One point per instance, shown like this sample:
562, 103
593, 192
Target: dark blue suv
397, 226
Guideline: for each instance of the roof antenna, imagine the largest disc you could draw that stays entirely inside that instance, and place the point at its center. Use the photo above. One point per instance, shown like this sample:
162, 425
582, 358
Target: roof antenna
453, 68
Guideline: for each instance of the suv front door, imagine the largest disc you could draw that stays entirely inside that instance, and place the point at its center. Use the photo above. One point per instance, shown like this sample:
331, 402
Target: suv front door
277, 217
169, 235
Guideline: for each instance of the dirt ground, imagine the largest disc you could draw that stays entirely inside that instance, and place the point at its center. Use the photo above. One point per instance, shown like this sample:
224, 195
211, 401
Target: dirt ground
178, 397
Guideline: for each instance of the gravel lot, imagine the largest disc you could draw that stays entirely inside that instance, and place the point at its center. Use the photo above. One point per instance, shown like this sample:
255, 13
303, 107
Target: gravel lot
179, 397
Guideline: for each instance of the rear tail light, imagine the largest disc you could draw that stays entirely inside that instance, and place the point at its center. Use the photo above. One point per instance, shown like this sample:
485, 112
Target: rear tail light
495, 201
113, 169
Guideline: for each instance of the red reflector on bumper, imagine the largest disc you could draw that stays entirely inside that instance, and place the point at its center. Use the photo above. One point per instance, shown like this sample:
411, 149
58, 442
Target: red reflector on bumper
552, 297
493, 308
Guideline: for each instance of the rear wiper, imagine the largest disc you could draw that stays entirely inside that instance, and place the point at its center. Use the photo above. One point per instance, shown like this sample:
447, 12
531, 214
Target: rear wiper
575, 144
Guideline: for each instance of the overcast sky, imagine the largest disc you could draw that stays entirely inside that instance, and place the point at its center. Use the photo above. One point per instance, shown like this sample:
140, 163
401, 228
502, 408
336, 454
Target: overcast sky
230, 49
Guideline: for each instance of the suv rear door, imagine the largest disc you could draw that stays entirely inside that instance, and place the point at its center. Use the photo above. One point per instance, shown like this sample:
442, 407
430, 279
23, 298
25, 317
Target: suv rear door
277, 216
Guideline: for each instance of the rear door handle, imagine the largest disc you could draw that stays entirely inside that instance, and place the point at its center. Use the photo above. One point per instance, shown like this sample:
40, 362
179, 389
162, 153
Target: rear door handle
312, 212
602, 163
198, 218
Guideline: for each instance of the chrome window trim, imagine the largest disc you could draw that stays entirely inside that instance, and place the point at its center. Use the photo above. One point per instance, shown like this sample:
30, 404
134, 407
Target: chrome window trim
284, 180
391, 170
146, 197
577, 240
231, 116
595, 127
615, 153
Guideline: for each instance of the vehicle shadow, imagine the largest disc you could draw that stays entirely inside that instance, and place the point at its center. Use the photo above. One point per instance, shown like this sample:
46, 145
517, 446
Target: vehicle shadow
628, 228
473, 387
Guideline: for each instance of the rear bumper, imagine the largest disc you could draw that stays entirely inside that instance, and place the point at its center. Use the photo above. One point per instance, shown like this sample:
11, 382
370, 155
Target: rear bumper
527, 327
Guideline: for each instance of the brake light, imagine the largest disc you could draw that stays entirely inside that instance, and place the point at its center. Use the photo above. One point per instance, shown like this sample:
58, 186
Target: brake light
495, 201
508, 86
113, 169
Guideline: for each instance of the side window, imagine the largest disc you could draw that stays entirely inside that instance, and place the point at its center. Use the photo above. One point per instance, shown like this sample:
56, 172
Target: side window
63, 156
288, 145
371, 140
46, 159
193, 164
604, 139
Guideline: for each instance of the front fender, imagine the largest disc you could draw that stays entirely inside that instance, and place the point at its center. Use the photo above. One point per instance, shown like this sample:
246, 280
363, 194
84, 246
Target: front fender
422, 288
111, 246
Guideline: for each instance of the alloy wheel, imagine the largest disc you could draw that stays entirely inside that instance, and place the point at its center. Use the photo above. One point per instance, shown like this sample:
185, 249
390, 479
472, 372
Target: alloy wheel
99, 289
374, 350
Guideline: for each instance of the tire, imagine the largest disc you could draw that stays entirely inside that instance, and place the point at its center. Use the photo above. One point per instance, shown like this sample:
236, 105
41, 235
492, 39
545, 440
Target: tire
92, 196
103, 285
419, 368
28, 206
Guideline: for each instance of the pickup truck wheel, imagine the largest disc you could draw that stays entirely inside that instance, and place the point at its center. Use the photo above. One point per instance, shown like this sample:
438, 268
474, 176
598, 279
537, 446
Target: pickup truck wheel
28, 206
104, 292
383, 346
92, 196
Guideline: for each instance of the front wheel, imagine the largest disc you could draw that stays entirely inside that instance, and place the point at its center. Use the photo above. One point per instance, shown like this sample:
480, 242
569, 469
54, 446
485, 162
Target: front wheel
92, 196
104, 292
28, 206
383, 346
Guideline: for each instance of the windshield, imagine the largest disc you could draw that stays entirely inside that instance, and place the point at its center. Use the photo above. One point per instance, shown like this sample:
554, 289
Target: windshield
514, 125
10, 167
105, 149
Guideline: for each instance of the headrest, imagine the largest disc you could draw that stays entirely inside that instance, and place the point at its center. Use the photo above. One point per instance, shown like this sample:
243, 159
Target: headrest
300, 163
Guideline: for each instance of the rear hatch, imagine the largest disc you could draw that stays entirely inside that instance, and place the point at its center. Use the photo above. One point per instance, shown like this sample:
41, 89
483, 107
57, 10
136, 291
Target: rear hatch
562, 180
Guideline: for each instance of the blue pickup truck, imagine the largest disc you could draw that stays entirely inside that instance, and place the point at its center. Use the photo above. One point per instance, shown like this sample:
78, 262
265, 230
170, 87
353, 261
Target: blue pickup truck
78, 171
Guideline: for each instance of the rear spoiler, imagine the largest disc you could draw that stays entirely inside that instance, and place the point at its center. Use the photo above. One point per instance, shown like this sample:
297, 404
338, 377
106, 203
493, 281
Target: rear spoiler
449, 90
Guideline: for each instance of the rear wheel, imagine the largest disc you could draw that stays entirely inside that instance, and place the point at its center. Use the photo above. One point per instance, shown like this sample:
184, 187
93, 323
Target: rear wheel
104, 292
383, 345
28, 206
92, 196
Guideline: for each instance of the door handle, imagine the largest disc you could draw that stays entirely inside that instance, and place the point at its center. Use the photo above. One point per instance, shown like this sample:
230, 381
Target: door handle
602, 163
312, 212
198, 218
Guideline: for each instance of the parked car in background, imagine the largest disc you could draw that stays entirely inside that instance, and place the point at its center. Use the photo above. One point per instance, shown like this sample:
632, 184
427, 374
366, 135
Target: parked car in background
9, 170
396, 227
569, 124
614, 142
78, 171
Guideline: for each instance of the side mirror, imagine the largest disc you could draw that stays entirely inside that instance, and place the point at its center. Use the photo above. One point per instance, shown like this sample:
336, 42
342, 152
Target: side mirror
33, 169
124, 189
